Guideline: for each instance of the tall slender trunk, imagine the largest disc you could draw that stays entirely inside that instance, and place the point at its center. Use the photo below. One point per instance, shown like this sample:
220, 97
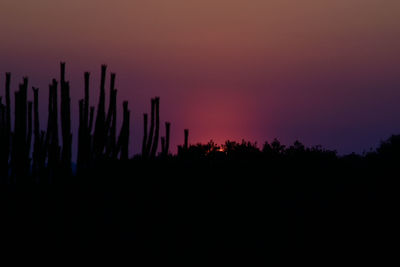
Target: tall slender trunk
144, 142
151, 133
99, 130
157, 128
123, 139
65, 124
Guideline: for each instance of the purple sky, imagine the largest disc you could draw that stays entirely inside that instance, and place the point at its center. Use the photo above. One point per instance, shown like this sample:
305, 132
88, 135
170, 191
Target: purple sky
322, 71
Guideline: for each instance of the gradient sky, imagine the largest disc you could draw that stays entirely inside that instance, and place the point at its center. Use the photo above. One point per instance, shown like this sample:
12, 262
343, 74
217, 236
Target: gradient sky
322, 71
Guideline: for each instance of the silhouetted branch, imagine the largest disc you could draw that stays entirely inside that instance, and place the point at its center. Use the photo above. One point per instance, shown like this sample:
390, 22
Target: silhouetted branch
5, 142
52, 144
123, 139
19, 156
65, 124
99, 130
144, 142
151, 132
165, 140
110, 128
157, 127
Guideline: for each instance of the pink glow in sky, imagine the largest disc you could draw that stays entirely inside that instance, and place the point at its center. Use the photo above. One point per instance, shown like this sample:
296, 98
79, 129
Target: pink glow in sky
322, 71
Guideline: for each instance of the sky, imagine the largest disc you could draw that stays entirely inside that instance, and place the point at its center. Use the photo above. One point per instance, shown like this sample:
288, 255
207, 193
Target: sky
325, 72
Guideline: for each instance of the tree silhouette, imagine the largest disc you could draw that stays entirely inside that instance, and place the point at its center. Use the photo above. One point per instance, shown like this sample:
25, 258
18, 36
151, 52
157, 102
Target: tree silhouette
29, 154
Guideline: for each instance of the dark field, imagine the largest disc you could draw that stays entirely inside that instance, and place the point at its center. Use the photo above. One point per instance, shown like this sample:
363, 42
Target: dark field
219, 211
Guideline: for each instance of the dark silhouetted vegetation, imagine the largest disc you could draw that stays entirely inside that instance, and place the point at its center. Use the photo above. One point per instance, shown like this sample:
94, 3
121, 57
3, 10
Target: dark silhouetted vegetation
222, 204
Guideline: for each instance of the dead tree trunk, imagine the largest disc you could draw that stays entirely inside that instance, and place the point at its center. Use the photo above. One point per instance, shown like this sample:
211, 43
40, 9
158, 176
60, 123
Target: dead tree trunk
144, 142
123, 139
65, 124
99, 130
157, 127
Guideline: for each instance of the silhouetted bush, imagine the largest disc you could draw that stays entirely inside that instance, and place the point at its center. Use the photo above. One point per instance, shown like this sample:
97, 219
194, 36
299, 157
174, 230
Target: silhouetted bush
234, 201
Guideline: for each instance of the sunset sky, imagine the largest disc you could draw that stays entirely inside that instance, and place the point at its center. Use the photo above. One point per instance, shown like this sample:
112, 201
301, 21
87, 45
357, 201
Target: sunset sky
322, 71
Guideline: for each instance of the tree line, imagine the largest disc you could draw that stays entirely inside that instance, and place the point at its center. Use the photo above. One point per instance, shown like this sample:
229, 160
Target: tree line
30, 153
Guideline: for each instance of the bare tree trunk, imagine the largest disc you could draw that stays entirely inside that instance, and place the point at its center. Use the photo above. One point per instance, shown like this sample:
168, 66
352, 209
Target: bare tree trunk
157, 128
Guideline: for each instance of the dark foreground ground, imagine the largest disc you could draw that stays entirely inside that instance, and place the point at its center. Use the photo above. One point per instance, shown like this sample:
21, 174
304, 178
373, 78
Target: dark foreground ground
208, 213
